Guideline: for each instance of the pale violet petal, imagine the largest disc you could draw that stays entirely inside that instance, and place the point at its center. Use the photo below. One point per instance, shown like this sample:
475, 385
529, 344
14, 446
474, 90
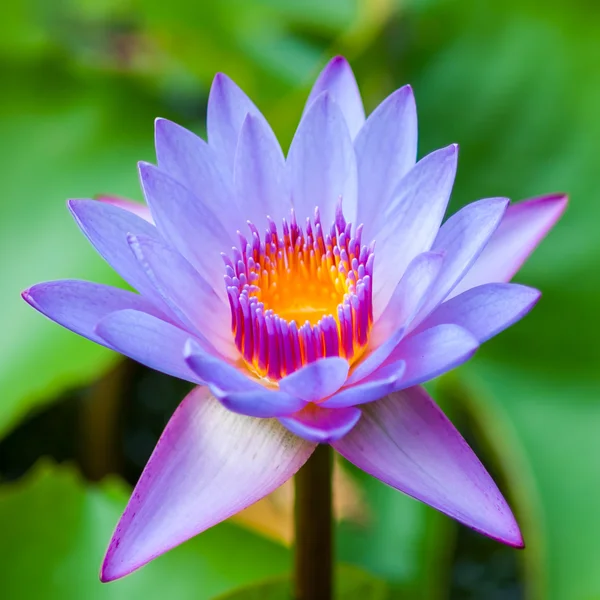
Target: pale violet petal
209, 464
412, 220
406, 441
386, 150
322, 425
316, 380
81, 305
486, 310
523, 227
321, 163
338, 80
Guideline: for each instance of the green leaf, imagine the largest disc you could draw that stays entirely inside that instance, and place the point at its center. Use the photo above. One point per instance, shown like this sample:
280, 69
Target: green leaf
545, 434
55, 531
400, 540
517, 87
350, 584
83, 138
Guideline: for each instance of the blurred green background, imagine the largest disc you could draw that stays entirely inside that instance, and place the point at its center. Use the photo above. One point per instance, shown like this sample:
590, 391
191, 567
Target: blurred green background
515, 83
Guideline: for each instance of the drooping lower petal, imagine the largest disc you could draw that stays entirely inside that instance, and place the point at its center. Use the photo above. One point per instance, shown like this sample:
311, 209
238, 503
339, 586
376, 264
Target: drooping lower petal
322, 425
523, 227
338, 80
485, 310
322, 164
148, 340
406, 441
81, 305
237, 390
208, 464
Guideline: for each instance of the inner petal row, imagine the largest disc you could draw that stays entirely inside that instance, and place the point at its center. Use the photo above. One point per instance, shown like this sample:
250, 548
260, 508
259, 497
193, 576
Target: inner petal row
301, 295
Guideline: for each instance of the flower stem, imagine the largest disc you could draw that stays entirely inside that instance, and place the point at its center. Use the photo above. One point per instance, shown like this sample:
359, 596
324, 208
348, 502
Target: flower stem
314, 527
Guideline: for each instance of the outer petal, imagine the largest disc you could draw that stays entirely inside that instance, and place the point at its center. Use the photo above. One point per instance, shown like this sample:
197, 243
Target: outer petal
208, 465
188, 295
321, 162
316, 380
80, 305
462, 237
523, 227
406, 441
148, 340
322, 425
260, 177
236, 390
189, 160
338, 80
429, 354
386, 149
227, 109
137, 208
185, 221
413, 218
106, 227
369, 389
486, 310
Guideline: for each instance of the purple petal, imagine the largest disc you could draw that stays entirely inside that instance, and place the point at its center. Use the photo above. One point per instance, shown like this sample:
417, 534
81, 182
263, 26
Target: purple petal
188, 224
390, 328
486, 310
189, 160
322, 425
386, 150
237, 390
338, 80
260, 177
147, 340
316, 380
429, 354
369, 389
413, 218
80, 305
208, 465
462, 237
321, 162
137, 208
107, 227
188, 295
410, 293
227, 109
406, 441
523, 227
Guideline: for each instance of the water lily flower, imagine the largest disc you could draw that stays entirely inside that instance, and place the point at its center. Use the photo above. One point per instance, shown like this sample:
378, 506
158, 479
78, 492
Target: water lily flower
308, 297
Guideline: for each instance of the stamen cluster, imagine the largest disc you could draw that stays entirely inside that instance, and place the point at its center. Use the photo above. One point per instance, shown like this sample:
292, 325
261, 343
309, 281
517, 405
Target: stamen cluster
301, 295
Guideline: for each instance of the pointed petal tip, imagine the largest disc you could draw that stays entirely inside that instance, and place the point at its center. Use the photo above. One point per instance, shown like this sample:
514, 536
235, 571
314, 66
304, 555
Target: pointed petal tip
558, 200
509, 535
